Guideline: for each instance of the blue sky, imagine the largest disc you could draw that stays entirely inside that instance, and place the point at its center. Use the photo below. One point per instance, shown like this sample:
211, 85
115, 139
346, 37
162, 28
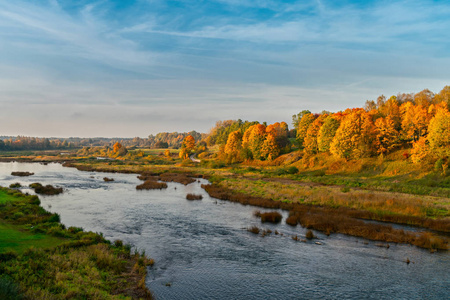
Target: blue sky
132, 68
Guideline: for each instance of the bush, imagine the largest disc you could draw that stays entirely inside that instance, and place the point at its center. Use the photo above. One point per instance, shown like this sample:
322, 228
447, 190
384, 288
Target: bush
310, 235
272, 217
194, 197
292, 170
253, 229
15, 185
54, 218
292, 220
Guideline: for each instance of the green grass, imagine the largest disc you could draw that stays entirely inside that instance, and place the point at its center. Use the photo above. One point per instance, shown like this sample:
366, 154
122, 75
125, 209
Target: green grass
15, 238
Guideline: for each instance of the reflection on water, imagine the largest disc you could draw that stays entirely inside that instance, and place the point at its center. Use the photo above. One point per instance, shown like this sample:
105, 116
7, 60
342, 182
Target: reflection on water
202, 250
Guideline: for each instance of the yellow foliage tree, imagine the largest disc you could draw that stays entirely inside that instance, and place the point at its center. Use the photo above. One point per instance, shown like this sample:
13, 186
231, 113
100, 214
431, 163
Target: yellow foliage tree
234, 145
310, 142
270, 149
184, 154
302, 128
387, 137
439, 133
420, 151
253, 140
355, 136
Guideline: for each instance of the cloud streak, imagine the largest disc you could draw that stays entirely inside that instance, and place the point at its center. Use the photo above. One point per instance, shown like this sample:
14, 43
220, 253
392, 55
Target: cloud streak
159, 65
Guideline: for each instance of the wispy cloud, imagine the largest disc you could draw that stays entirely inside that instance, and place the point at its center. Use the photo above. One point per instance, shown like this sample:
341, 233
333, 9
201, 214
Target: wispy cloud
151, 63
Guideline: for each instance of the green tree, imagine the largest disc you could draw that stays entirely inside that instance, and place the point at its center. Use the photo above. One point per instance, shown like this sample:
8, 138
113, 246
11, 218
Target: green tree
327, 133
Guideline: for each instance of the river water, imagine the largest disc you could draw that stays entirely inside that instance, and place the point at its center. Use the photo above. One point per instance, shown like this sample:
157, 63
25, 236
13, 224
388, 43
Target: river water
203, 250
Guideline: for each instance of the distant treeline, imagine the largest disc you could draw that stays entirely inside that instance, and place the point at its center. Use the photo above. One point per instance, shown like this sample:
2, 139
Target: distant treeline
172, 140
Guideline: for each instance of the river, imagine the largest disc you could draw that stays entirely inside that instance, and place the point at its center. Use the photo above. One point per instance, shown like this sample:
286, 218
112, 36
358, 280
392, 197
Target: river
202, 249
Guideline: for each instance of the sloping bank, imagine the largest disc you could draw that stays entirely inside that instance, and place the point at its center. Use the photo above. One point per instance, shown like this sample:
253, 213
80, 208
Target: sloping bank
65, 263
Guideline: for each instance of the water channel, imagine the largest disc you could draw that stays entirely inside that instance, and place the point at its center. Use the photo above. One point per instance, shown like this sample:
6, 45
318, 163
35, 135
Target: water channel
203, 250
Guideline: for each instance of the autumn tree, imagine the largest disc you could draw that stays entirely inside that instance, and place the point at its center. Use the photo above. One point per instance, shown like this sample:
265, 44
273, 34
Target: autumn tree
233, 147
439, 133
302, 128
443, 96
119, 150
420, 151
355, 136
310, 142
327, 133
253, 140
387, 137
280, 132
415, 120
184, 154
189, 143
296, 118
270, 149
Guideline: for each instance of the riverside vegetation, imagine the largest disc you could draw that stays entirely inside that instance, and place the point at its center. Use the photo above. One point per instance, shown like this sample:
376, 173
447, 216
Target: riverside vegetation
41, 259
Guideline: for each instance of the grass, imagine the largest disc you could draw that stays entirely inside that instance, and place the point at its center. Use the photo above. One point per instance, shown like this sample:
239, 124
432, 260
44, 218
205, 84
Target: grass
340, 220
15, 238
41, 259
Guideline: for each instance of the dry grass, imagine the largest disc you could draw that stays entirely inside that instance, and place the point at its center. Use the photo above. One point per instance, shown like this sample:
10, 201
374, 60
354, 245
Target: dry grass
335, 220
152, 185
194, 197
271, 217
376, 205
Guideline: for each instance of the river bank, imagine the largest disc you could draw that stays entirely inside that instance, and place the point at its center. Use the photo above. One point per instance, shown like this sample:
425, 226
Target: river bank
40, 258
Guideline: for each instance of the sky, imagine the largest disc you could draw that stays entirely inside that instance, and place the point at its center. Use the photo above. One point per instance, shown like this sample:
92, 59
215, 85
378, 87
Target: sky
133, 68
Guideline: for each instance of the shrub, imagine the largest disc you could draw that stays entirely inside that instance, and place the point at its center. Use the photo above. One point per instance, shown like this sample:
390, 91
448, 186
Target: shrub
310, 235
292, 170
194, 197
292, 220
254, 229
272, 217
152, 185
15, 185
